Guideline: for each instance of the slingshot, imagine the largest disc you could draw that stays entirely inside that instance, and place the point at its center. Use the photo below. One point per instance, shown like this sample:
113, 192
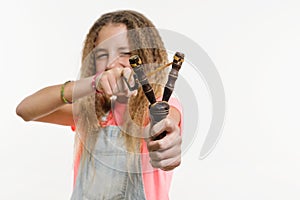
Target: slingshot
158, 109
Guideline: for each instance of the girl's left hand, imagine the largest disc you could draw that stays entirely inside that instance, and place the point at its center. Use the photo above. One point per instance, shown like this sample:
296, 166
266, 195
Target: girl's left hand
166, 152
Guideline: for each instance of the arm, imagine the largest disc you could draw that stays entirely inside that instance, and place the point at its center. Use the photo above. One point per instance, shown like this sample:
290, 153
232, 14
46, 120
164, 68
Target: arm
46, 105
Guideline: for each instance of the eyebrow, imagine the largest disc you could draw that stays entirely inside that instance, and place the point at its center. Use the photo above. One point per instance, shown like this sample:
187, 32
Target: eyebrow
103, 49
99, 49
123, 48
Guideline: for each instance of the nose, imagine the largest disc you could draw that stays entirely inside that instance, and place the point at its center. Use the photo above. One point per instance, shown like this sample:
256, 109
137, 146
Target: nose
117, 61
113, 62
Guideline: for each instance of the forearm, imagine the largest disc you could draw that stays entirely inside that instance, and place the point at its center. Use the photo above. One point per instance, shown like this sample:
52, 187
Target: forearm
48, 100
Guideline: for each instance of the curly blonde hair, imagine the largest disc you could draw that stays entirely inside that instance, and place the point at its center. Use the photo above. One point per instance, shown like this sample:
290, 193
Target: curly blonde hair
145, 41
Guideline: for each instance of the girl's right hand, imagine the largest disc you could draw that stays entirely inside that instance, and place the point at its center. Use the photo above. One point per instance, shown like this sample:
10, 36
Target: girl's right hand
111, 82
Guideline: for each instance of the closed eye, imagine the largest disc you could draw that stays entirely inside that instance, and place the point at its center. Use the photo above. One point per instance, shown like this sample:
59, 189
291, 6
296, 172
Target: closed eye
101, 56
123, 54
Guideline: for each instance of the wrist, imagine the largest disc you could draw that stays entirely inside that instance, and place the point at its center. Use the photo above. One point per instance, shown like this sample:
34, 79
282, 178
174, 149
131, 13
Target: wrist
63, 92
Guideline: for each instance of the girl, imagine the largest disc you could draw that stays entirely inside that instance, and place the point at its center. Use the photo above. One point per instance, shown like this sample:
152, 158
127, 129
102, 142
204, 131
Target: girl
115, 157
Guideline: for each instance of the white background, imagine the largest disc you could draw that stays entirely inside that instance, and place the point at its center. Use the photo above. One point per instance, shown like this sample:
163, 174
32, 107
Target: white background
255, 47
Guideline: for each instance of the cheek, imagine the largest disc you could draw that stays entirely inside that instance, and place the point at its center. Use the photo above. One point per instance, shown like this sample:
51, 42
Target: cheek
124, 61
100, 65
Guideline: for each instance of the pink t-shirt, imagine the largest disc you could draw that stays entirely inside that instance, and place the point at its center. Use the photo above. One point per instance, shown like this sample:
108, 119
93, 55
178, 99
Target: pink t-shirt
156, 181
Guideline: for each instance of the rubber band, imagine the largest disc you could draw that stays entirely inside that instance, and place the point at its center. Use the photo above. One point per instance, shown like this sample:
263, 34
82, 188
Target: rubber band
159, 69
62, 93
94, 83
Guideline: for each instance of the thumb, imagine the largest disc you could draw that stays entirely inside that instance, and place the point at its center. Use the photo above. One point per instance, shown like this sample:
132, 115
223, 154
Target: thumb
163, 125
128, 74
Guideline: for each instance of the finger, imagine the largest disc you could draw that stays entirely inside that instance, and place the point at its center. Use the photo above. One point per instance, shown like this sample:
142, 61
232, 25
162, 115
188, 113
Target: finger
171, 167
166, 124
154, 145
113, 83
121, 88
161, 144
105, 85
166, 154
167, 164
165, 143
128, 74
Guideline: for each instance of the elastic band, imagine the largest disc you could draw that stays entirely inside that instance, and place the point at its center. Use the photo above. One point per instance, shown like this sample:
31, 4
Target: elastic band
62, 95
94, 83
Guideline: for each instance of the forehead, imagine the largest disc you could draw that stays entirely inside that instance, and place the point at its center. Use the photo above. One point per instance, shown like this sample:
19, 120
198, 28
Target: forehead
112, 34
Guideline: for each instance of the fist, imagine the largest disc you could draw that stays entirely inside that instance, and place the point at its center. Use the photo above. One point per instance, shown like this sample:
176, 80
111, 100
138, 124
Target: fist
166, 152
112, 83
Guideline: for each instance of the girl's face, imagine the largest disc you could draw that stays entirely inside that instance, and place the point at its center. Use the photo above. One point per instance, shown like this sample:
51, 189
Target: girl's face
112, 48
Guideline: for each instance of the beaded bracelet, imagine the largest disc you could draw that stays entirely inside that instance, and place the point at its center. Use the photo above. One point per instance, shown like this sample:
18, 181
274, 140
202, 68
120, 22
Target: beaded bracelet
62, 95
94, 82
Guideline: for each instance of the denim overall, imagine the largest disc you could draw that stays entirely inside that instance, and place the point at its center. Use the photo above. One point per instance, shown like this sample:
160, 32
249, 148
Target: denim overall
108, 175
